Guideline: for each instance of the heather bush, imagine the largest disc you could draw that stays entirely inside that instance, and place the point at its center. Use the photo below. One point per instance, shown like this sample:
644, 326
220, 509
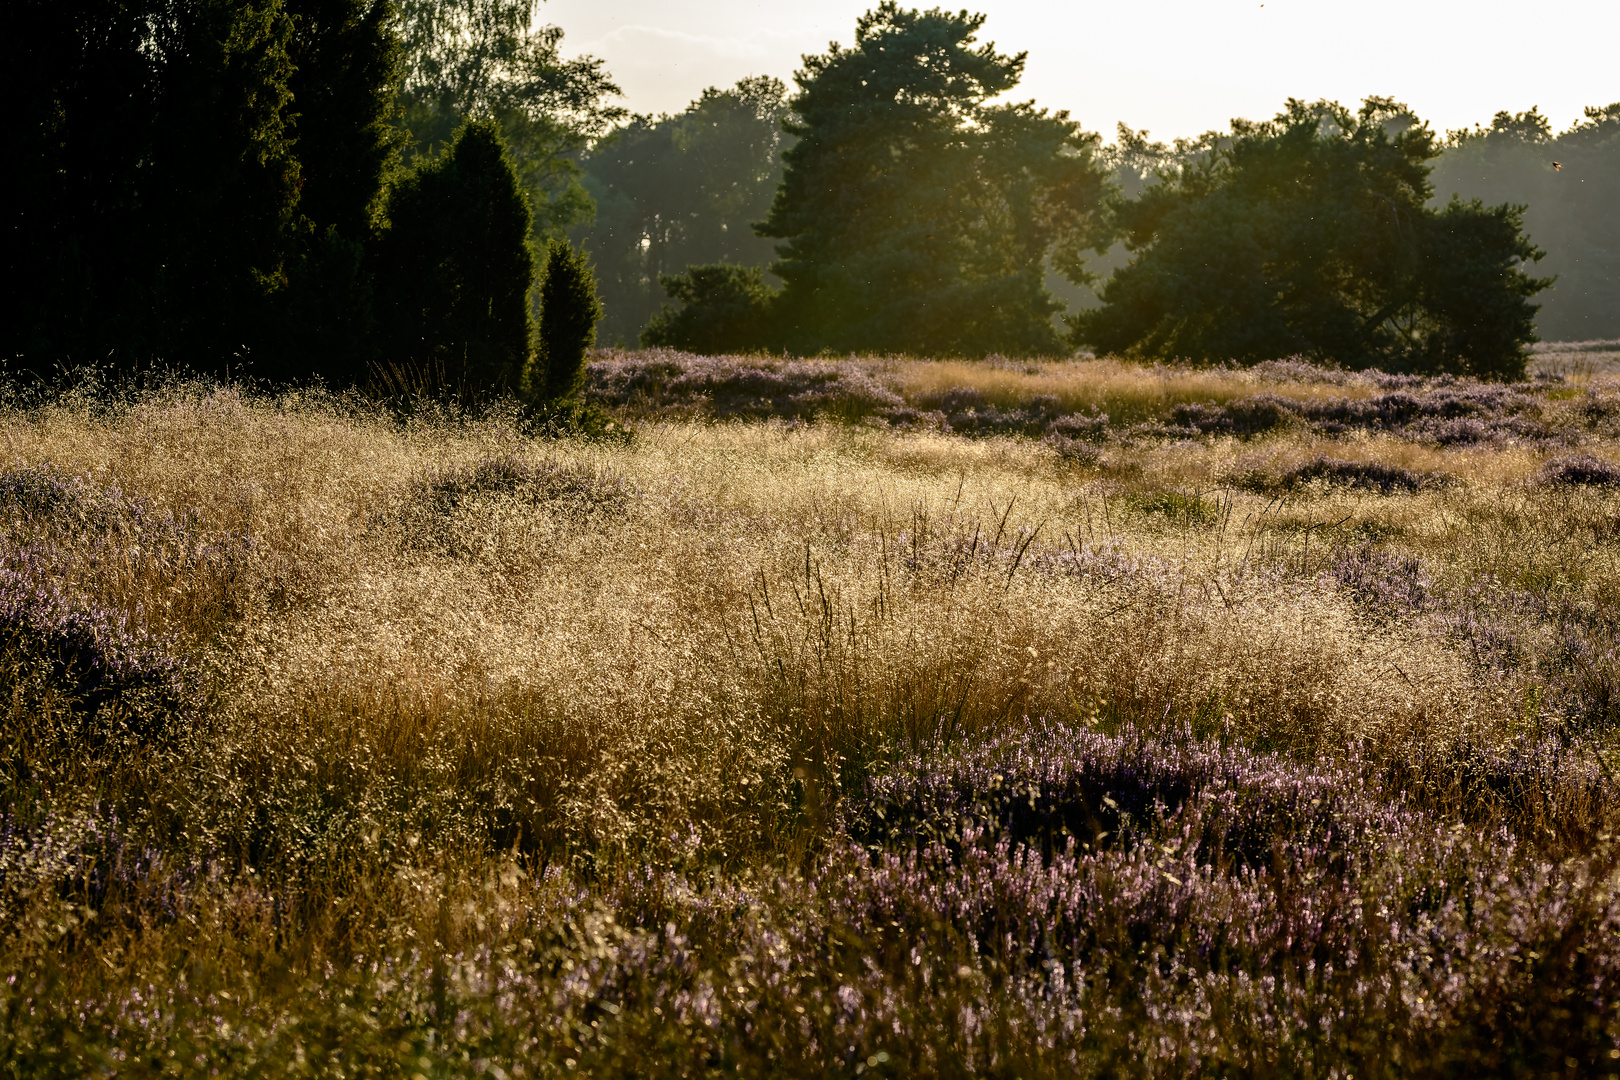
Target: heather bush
1370, 475
87, 654
1583, 471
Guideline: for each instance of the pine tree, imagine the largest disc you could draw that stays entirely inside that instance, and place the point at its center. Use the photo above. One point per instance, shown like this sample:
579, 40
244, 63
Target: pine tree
569, 312
455, 267
915, 215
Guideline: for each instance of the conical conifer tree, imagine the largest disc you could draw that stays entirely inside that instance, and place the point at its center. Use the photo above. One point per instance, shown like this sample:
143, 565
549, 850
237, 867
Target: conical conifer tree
569, 312
455, 267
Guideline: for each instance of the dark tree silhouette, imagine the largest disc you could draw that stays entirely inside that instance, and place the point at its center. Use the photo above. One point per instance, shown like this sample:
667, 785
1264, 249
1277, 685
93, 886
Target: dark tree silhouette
455, 267
915, 215
1310, 234
569, 311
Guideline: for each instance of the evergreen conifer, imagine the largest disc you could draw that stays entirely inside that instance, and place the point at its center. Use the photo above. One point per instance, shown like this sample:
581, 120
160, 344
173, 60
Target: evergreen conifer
347, 65
569, 311
455, 267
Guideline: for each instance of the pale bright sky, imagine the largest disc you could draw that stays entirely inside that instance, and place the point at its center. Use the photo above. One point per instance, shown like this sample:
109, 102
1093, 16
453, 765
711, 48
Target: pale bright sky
1175, 67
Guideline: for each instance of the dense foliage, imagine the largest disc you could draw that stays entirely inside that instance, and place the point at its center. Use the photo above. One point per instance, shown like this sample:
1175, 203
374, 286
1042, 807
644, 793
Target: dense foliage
154, 194
915, 214
1572, 211
1311, 235
221, 182
673, 191
455, 266
569, 311
490, 59
725, 308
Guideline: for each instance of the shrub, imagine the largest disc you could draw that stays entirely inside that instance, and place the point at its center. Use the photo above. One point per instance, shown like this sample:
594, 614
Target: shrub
727, 309
90, 654
1181, 508
569, 312
1580, 471
1371, 475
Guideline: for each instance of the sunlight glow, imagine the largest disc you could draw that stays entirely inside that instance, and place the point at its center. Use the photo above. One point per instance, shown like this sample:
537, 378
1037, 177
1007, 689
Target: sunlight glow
1175, 67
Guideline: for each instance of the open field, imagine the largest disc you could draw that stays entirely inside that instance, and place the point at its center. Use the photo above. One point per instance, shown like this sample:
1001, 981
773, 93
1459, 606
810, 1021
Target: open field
846, 717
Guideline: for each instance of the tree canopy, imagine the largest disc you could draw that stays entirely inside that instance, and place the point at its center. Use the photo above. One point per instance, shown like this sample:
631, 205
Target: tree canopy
490, 59
155, 204
1573, 211
916, 213
1311, 234
207, 182
675, 190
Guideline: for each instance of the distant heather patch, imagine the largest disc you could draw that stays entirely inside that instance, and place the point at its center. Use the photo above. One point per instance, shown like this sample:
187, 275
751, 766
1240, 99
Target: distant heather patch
1448, 413
742, 387
94, 655
1246, 416
1367, 475
1580, 471
1443, 410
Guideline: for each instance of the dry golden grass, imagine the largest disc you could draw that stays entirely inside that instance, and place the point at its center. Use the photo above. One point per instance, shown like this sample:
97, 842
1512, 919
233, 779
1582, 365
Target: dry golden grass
759, 577
1126, 392
442, 711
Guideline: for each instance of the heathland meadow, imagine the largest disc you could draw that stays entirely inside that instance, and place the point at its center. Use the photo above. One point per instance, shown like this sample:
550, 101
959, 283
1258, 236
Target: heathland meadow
867, 716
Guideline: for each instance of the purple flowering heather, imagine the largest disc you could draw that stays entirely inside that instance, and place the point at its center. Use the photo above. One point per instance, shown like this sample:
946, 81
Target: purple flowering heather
90, 652
730, 386
1366, 475
1442, 410
61, 532
1582, 470
1385, 583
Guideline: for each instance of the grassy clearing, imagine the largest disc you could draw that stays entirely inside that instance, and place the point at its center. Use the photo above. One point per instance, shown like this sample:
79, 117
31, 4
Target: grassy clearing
345, 745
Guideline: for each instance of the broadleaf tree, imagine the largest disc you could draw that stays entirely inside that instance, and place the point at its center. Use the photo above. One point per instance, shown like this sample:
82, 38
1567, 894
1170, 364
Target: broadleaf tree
491, 59
679, 190
1311, 234
1572, 211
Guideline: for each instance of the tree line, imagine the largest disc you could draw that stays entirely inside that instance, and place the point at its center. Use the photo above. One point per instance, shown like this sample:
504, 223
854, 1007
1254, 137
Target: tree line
338, 188
892, 204
306, 187
1573, 211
